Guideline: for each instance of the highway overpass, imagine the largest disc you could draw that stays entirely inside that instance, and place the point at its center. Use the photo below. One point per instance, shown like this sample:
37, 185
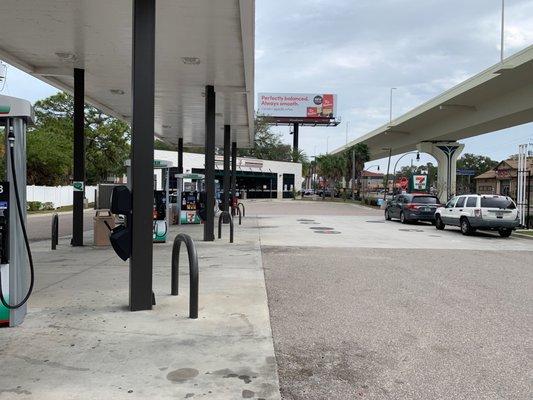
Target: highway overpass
497, 98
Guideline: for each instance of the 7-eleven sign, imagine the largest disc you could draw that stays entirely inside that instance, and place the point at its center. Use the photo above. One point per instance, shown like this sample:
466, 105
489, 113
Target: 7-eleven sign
420, 182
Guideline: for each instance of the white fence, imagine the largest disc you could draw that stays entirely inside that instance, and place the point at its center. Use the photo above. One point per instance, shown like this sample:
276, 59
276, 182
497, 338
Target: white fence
59, 196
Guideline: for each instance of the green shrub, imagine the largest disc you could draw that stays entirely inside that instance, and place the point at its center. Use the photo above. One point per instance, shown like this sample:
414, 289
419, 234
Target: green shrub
48, 206
34, 205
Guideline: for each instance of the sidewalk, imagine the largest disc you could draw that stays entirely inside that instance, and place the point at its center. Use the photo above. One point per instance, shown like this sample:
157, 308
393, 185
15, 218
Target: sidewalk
79, 341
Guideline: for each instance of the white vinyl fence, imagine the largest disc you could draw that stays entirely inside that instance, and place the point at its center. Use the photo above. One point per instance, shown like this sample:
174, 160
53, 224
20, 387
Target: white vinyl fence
59, 196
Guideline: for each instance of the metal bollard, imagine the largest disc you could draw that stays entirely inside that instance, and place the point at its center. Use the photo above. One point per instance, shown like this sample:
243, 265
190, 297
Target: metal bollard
193, 271
55, 231
243, 209
222, 215
239, 214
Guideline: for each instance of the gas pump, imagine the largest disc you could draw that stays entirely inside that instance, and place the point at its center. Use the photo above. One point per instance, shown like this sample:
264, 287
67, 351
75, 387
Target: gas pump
16, 263
160, 227
190, 187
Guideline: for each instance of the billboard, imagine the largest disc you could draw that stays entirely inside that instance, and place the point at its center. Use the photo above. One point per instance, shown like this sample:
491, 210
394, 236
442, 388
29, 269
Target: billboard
287, 106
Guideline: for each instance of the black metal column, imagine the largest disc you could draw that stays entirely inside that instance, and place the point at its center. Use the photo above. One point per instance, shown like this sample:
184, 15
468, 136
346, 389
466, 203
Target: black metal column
180, 156
142, 153
233, 171
226, 183
209, 225
79, 157
295, 142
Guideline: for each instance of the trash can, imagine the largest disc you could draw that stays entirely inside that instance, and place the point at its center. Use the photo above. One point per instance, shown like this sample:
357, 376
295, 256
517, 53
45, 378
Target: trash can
101, 230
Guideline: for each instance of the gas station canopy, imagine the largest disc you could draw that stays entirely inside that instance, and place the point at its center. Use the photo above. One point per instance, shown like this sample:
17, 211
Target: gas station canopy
198, 43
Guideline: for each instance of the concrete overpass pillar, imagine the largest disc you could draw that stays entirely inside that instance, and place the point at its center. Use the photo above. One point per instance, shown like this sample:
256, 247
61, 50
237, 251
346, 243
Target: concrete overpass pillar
446, 154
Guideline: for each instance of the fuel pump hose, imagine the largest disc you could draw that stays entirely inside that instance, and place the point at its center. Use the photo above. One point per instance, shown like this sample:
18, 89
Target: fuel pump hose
11, 139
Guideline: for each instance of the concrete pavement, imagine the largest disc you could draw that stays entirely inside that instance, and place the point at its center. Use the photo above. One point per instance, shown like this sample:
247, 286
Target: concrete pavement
375, 310
40, 225
80, 342
382, 310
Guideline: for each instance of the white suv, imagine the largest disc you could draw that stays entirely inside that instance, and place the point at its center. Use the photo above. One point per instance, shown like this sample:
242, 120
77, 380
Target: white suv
484, 212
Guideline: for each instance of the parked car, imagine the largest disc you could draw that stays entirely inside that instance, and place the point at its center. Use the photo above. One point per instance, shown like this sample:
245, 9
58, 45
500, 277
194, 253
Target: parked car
309, 192
483, 212
412, 207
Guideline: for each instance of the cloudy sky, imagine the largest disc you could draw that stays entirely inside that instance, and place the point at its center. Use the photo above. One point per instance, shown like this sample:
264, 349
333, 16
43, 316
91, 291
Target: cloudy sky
359, 49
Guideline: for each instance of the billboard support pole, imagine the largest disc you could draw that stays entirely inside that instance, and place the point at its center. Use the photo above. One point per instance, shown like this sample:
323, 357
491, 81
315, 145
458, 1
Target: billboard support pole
295, 142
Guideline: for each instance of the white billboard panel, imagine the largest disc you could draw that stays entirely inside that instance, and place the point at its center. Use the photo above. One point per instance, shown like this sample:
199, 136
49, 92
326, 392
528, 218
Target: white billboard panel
297, 105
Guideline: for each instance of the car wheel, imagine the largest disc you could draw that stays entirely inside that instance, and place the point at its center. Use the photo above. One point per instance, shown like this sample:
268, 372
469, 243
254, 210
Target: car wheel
466, 229
439, 224
403, 220
505, 232
387, 215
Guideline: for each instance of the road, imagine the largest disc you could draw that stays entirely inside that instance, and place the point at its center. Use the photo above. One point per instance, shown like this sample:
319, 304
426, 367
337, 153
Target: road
39, 226
381, 310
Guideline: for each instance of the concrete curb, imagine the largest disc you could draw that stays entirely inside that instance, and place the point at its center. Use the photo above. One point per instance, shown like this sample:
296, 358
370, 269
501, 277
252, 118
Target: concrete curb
521, 235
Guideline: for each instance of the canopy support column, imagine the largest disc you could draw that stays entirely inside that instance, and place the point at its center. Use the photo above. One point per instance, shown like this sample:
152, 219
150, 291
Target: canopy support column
142, 154
78, 157
180, 156
233, 171
210, 102
226, 183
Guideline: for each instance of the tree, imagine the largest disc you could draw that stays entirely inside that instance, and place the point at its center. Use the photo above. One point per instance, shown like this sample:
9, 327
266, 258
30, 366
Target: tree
479, 164
269, 146
331, 167
362, 155
50, 142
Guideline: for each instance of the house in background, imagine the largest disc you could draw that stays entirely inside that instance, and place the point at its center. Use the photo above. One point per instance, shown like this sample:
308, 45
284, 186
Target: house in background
371, 181
502, 179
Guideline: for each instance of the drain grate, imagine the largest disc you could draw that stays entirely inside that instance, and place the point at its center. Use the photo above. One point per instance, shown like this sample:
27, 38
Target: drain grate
321, 228
328, 232
411, 230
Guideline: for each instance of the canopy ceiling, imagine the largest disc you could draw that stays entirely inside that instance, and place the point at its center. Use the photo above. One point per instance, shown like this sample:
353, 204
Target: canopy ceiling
198, 43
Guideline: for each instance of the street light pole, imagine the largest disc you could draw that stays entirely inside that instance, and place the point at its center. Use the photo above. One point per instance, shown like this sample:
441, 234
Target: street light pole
390, 105
347, 127
385, 192
398, 160
503, 31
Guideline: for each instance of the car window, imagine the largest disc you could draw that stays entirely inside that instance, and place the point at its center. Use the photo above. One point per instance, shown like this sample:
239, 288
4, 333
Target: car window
460, 202
399, 199
451, 202
425, 200
497, 202
471, 202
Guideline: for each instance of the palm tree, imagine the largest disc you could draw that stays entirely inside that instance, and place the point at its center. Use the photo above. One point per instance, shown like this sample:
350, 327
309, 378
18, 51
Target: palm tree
362, 155
331, 168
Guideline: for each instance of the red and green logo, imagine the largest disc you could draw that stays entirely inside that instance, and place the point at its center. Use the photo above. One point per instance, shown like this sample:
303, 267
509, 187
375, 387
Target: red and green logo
4, 109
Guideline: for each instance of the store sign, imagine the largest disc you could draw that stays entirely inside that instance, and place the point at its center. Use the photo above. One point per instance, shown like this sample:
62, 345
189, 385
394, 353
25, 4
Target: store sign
420, 182
297, 105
